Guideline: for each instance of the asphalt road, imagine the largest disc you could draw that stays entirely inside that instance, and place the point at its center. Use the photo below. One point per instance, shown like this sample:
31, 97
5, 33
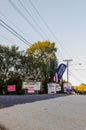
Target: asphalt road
43, 112
11, 100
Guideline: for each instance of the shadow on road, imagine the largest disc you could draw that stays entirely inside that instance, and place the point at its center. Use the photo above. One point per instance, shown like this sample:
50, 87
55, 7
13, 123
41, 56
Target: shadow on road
2, 127
7, 101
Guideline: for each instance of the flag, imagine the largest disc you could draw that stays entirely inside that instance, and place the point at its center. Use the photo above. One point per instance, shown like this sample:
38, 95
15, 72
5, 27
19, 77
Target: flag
60, 71
55, 77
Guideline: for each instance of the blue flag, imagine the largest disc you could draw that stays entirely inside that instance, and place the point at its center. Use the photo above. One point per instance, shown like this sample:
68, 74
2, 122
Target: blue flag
60, 71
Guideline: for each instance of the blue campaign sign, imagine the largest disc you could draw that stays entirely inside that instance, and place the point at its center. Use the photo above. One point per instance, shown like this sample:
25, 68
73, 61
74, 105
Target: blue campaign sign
60, 71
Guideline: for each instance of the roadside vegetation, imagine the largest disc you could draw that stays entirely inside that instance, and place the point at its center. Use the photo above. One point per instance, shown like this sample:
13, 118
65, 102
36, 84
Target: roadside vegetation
81, 89
38, 62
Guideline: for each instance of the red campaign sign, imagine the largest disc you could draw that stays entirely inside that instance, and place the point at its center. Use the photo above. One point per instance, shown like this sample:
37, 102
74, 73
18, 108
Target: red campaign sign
11, 88
31, 90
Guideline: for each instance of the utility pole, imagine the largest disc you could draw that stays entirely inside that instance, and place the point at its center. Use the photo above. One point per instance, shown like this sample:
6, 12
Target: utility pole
67, 60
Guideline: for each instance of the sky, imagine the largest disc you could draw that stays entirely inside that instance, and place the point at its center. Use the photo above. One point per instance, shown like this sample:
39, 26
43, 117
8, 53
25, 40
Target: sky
59, 21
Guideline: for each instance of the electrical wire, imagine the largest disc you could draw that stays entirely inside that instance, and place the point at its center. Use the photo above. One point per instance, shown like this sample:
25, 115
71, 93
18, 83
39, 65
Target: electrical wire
7, 27
49, 29
75, 77
28, 12
18, 35
5, 38
25, 18
13, 33
12, 23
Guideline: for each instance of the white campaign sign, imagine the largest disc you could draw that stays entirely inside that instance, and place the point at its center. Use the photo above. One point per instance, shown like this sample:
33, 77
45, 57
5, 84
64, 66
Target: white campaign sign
51, 88
36, 85
67, 86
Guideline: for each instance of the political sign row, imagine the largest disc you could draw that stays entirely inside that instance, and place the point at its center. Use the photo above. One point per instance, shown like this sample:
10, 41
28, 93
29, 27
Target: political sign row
53, 88
31, 87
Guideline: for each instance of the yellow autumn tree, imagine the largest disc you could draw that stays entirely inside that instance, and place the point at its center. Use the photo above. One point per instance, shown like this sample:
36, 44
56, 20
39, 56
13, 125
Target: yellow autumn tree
44, 61
81, 88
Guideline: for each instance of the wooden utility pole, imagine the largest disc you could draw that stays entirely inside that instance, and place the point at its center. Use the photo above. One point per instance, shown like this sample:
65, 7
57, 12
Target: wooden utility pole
67, 61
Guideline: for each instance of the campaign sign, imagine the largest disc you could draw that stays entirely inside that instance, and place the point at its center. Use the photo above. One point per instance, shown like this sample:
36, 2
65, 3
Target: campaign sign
51, 88
67, 87
31, 90
11, 88
58, 88
37, 87
35, 84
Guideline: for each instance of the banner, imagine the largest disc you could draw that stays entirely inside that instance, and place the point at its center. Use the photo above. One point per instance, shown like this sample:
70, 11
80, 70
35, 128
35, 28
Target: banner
60, 71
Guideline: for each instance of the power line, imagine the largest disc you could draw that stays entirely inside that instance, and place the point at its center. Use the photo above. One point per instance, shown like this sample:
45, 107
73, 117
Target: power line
28, 12
78, 71
41, 17
45, 23
13, 33
25, 18
68, 61
49, 29
5, 37
7, 27
75, 77
12, 23
47, 26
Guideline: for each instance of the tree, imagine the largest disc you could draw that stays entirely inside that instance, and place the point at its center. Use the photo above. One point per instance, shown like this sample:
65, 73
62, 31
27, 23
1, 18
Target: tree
9, 58
10, 65
44, 61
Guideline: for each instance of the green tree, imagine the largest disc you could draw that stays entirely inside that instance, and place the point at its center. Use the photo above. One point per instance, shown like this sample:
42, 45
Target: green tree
10, 65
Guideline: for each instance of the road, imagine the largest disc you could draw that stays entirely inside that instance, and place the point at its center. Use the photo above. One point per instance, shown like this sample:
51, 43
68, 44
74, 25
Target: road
11, 100
43, 112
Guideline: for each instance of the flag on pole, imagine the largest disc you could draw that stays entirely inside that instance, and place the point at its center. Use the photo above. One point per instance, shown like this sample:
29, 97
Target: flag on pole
59, 73
55, 77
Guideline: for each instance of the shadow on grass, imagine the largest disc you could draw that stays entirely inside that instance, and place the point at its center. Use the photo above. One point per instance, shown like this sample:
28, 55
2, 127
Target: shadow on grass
11, 100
